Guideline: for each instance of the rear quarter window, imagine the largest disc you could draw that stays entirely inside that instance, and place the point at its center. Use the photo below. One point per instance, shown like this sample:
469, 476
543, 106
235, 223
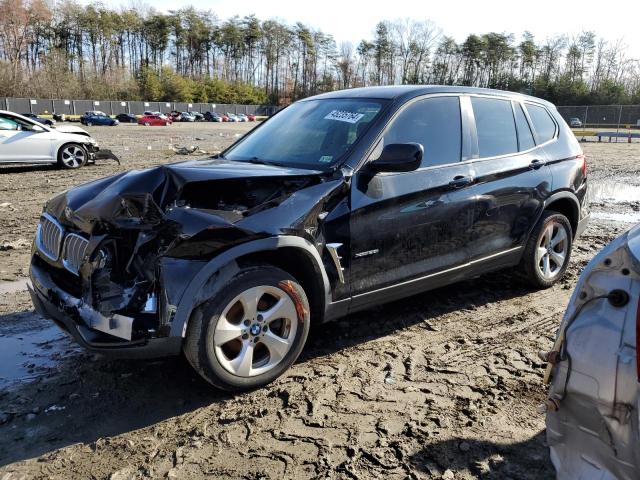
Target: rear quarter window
543, 124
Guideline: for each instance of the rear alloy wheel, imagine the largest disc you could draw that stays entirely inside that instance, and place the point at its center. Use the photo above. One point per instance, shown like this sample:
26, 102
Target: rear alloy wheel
146, 124
89, 124
251, 332
548, 250
72, 155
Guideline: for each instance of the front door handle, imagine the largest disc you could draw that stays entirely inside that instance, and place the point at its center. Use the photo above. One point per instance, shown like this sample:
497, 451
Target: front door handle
460, 181
536, 164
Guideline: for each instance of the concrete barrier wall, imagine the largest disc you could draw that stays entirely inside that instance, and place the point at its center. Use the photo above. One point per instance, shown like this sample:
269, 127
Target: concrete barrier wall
41, 106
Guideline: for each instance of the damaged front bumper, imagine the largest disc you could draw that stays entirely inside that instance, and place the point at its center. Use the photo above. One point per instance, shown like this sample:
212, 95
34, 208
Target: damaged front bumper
88, 327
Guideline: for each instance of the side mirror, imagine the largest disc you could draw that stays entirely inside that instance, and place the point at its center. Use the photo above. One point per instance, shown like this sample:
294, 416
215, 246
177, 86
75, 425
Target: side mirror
398, 157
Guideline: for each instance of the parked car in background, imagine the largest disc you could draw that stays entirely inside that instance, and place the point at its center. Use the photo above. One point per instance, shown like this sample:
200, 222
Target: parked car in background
44, 121
159, 114
575, 122
187, 117
24, 140
338, 203
96, 117
174, 115
215, 117
198, 116
232, 117
242, 117
126, 118
252, 118
59, 117
154, 120
592, 410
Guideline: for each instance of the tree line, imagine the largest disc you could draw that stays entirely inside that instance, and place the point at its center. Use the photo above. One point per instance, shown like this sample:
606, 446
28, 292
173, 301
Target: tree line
73, 51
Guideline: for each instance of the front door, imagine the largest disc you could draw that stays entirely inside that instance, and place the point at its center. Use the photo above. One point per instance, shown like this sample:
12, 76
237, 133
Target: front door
407, 226
19, 143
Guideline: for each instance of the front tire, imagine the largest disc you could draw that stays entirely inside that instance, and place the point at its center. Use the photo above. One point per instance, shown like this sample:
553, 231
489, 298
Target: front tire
548, 250
251, 331
72, 156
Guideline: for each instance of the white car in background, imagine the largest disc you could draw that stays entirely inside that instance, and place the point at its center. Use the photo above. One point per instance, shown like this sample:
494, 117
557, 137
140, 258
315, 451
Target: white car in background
593, 405
23, 140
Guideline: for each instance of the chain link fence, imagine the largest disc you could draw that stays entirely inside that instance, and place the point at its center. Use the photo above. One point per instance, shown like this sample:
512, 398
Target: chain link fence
618, 117
42, 106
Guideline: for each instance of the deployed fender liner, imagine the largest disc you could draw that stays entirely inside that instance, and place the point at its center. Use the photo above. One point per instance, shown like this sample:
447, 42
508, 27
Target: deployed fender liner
70, 314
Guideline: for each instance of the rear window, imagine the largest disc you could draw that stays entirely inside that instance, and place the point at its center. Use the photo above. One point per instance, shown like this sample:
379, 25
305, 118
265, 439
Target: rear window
543, 124
525, 137
495, 126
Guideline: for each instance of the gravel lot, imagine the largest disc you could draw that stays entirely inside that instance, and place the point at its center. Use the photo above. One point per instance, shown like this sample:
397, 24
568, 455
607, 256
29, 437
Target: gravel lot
440, 385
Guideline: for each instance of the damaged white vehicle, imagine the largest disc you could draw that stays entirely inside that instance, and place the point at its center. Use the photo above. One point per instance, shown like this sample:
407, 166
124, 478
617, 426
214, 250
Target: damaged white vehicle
592, 409
23, 140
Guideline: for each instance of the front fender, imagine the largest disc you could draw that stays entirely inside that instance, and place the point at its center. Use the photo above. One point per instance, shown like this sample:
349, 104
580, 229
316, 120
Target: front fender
195, 293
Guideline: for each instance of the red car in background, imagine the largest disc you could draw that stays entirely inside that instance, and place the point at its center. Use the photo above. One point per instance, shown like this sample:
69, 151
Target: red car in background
252, 118
154, 120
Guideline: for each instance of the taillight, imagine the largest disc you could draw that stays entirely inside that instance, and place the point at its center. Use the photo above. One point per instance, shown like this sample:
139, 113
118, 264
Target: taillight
583, 166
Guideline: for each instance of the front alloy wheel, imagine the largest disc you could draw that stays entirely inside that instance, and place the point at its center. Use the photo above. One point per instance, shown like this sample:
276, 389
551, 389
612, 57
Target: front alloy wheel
255, 331
72, 156
250, 331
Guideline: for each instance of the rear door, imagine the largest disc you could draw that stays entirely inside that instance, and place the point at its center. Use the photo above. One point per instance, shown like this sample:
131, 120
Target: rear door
511, 177
405, 226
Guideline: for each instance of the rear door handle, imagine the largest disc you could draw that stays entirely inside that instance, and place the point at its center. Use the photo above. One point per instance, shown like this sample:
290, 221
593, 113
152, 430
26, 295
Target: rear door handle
460, 181
536, 164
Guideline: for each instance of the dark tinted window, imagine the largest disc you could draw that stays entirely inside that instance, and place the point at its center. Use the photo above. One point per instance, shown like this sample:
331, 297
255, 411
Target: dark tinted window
495, 126
435, 124
545, 127
525, 137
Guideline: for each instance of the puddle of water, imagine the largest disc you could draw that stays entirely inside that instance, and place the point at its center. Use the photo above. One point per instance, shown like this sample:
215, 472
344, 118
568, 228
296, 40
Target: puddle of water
26, 354
613, 192
631, 217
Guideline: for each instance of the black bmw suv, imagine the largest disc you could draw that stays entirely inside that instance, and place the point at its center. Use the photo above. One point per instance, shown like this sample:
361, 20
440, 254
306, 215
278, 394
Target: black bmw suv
339, 202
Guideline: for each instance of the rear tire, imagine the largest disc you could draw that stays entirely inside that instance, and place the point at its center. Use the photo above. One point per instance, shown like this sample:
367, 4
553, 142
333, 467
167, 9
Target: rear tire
72, 156
548, 250
251, 331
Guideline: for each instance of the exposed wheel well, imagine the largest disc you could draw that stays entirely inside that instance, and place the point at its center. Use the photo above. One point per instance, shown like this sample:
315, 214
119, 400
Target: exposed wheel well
298, 264
568, 208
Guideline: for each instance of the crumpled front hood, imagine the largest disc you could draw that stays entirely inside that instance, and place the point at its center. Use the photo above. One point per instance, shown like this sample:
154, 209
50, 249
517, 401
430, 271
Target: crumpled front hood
140, 198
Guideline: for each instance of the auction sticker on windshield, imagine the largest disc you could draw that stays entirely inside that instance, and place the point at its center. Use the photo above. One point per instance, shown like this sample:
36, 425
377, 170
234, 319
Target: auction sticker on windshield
342, 116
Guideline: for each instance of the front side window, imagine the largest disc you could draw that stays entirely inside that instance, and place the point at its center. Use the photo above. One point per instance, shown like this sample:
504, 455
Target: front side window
7, 123
435, 124
495, 126
313, 134
542, 122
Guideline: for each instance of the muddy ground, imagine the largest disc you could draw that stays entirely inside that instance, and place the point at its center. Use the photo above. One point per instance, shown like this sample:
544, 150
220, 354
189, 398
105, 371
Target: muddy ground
440, 385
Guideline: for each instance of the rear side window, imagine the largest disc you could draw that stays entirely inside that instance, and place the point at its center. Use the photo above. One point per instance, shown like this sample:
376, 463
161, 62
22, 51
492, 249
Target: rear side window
435, 124
495, 126
525, 137
543, 124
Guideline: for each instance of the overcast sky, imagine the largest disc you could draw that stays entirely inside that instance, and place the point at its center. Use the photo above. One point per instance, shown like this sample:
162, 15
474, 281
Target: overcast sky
349, 20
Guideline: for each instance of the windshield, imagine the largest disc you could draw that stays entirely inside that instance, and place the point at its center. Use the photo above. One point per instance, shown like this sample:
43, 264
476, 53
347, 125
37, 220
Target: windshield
310, 134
